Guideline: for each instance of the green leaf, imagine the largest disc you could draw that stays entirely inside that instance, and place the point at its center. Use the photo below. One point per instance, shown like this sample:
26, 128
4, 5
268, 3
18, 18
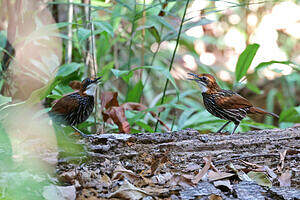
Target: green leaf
144, 126
164, 72
67, 69
245, 60
105, 71
260, 178
134, 95
119, 73
270, 104
256, 125
155, 33
104, 26
160, 20
290, 115
201, 22
253, 88
266, 64
54, 96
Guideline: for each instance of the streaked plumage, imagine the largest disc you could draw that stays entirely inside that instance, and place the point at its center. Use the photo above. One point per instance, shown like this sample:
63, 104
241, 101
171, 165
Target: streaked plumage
76, 107
225, 104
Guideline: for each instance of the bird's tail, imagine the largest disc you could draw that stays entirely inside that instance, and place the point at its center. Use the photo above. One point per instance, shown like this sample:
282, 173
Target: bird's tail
254, 110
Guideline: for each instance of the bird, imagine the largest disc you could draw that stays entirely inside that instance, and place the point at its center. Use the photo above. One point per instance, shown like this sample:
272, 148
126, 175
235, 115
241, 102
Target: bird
225, 104
76, 107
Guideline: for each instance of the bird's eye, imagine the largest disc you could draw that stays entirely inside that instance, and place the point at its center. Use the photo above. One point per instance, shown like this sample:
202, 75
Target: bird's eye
204, 79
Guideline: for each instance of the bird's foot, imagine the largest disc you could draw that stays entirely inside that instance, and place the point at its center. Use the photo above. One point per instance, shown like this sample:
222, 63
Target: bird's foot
224, 133
81, 133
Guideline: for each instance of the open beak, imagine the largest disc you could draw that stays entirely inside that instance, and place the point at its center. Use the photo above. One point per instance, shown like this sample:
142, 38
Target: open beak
194, 77
97, 80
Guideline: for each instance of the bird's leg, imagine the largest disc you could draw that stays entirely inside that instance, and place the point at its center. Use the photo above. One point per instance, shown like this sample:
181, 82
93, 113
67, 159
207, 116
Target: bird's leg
219, 131
236, 125
81, 133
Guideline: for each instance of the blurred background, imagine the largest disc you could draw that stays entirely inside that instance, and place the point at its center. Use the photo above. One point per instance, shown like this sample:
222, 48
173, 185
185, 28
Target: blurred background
144, 49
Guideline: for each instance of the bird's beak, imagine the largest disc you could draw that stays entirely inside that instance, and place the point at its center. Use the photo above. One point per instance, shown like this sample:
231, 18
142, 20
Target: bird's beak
194, 77
97, 80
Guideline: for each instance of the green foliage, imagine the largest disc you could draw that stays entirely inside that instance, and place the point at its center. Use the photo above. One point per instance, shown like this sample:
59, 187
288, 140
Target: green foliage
125, 34
291, 115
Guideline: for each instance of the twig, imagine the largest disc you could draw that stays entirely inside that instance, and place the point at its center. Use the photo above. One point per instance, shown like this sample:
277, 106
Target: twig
173, 57
246, 156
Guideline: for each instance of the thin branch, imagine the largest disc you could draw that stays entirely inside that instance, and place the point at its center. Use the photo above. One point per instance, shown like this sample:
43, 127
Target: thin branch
173, 57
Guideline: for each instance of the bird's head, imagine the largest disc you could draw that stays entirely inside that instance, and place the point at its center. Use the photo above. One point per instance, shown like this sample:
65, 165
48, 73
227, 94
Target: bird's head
89, 86
206, 82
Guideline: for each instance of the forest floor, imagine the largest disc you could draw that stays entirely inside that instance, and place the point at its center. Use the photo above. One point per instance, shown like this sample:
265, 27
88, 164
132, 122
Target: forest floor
184, 164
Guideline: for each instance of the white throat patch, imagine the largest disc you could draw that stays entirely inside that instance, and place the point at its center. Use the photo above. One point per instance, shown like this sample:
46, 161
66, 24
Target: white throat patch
91, 89
202, 88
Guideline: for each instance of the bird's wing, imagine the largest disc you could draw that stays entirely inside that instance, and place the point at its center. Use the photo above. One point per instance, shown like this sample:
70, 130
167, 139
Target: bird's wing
232, 100
65, 105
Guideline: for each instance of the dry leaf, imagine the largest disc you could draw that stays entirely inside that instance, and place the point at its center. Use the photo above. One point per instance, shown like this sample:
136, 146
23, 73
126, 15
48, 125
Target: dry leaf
282, 158
117, 114
214, 176
251, 164
203, 171
181, 180
129, 191
158, 160
75, 85
285, 179
105, 180
121, 172
215, 197
109, 99
224, 183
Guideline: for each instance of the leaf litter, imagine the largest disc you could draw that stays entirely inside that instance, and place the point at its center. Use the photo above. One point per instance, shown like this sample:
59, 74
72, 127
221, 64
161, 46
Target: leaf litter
139, 173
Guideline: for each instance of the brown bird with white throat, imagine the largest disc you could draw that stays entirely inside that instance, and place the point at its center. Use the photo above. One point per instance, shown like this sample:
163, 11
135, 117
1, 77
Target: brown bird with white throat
225, 104
76, 107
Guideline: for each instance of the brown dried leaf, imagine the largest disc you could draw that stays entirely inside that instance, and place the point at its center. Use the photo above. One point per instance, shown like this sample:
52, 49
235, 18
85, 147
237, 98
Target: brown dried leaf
214, 176
282, 158
182, 180
251, 164
117, 114
215, 197
129, 191
285, 179
121, 172
204, 170
109, 99
158, 160
105, 180
75, 85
